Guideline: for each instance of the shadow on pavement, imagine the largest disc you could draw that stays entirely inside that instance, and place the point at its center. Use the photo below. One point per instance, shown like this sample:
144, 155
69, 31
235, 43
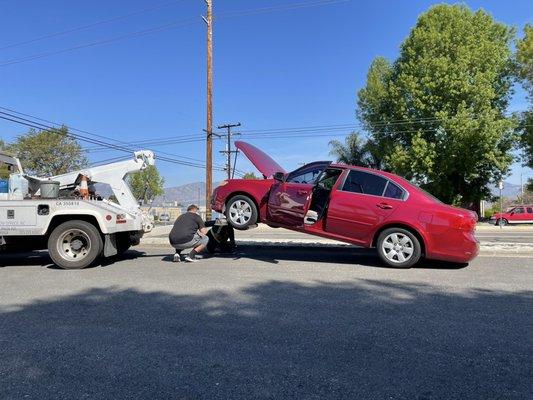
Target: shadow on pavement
21, 259
277, 340
270, 254
324, 254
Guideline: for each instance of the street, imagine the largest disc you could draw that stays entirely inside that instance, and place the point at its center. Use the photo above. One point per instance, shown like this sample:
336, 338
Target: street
271, 322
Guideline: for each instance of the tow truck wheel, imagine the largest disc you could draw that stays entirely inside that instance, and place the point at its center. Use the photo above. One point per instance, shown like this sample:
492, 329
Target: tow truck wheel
241, 212
75, 244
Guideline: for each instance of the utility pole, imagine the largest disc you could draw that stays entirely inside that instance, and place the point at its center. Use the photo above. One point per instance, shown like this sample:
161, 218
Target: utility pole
228, 150
209, 128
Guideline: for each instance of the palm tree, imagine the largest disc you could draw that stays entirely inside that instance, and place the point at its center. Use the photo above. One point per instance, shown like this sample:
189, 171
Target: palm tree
356, 151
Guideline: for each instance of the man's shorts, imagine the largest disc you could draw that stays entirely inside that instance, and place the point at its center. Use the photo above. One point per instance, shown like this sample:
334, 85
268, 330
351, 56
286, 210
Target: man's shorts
195, 242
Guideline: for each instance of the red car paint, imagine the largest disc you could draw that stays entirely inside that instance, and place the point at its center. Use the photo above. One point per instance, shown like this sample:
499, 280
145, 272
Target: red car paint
446, 232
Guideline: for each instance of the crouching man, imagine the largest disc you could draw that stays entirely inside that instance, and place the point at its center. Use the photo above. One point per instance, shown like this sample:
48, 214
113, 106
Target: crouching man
189, 231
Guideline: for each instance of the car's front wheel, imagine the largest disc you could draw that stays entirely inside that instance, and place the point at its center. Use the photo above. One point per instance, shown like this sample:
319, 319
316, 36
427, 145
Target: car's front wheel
241, 212
398, 248
502, 222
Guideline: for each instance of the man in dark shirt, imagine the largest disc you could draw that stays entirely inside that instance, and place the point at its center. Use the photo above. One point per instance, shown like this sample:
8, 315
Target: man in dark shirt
189, 231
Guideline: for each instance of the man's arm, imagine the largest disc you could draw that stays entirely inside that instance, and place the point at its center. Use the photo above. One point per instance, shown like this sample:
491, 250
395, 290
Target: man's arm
201, 225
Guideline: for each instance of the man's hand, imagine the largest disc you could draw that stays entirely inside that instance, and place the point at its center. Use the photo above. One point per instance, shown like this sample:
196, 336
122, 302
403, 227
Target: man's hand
203, 231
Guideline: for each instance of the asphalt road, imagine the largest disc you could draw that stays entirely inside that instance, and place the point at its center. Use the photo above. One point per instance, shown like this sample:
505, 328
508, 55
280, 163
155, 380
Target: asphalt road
266, 323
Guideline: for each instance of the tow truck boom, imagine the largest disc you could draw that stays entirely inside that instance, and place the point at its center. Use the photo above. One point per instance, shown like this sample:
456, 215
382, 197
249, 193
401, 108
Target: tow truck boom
114, 175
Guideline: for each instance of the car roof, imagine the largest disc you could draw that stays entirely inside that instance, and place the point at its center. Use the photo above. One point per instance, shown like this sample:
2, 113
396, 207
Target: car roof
371, 170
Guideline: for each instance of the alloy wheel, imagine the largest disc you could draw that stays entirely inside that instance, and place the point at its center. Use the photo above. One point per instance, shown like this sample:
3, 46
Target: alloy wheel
398, 248
240, 212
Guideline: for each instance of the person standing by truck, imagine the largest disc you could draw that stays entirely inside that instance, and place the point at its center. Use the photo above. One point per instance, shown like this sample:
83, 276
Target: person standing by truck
189, 231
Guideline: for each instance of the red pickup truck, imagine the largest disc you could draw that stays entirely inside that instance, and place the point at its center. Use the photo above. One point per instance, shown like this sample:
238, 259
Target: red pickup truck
522, 214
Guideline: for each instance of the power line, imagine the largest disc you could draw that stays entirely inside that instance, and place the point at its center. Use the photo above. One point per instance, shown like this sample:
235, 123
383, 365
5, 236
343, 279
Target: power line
126, 145
91, 25
286, 7
40, 126
109, 160
228, 150
160, 28
172, 25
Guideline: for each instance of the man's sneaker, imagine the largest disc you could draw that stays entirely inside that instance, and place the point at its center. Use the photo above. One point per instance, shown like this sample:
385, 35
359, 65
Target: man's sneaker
177, 258
189, 259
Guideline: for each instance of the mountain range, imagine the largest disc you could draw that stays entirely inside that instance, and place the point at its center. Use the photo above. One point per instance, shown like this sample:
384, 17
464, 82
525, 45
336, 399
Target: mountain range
190, 193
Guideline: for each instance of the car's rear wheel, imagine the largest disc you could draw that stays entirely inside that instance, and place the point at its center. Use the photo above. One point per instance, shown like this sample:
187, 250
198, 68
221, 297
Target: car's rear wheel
74, 244
501, 222
241, 212
398, 248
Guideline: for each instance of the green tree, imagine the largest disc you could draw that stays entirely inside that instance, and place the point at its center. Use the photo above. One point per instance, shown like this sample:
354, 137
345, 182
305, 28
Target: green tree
48, 152
147, 183
250, 175
438, 112
357, 151
524, 58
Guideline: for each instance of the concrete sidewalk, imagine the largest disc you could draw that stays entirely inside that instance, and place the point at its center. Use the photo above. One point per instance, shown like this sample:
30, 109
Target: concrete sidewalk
493, 240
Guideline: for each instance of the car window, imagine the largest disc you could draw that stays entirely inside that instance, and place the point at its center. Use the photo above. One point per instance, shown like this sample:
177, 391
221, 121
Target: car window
306, 176
530, 210
393, 191
362, 182
328, 178
518, 210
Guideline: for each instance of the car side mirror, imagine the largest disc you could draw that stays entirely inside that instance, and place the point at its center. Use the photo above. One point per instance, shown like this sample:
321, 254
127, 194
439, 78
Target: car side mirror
279, 176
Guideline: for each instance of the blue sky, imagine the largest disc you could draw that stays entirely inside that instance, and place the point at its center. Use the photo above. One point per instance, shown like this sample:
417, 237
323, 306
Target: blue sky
289, 68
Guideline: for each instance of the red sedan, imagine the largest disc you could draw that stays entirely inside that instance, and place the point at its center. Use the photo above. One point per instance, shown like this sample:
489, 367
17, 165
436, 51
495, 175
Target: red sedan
362, 206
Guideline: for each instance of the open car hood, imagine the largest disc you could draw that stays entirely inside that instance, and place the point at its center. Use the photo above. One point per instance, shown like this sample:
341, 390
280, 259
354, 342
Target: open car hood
263, 162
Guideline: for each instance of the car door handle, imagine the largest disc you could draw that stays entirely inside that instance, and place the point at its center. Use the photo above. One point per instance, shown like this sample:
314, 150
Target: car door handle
384, 206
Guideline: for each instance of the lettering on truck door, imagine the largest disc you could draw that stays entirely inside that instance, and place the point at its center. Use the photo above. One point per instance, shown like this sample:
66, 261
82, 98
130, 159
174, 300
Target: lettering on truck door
15, 218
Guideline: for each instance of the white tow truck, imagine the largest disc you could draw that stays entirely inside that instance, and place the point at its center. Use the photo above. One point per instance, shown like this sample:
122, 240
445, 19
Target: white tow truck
72, 221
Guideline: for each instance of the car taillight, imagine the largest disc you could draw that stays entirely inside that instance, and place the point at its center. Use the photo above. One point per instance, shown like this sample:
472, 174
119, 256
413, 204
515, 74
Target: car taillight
467, 224
121, 218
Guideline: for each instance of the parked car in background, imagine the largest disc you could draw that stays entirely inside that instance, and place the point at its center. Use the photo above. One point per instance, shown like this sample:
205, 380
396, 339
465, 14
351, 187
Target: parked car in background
362, 206
522, 214
164, 217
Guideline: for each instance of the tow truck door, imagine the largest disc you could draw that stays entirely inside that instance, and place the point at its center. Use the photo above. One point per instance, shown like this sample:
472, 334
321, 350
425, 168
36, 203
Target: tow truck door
14, 217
